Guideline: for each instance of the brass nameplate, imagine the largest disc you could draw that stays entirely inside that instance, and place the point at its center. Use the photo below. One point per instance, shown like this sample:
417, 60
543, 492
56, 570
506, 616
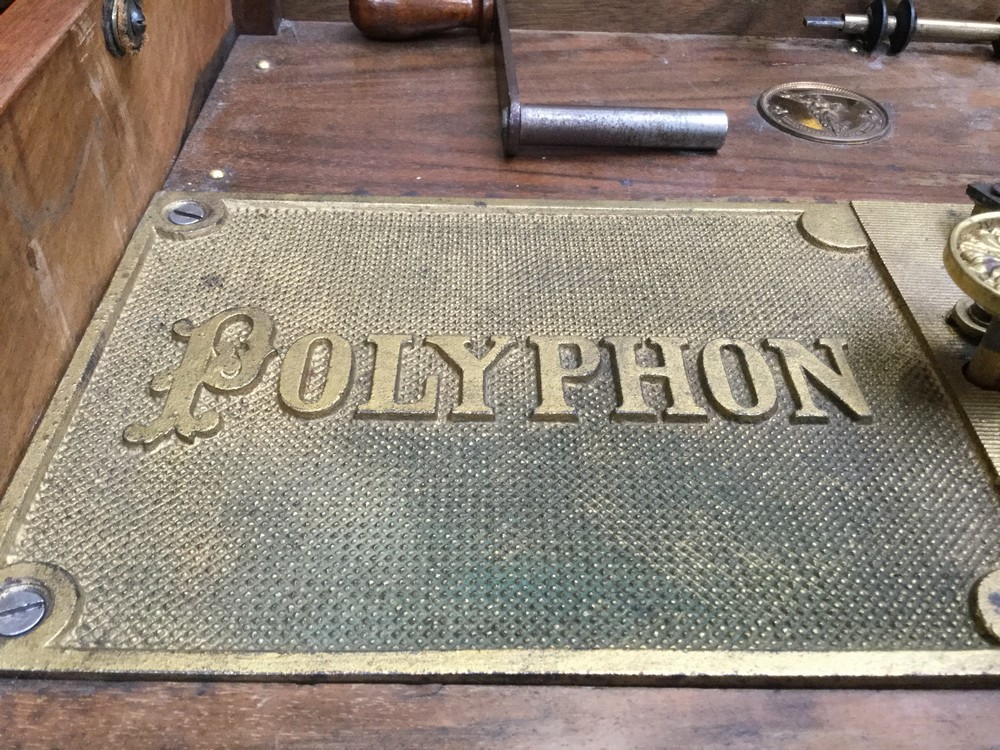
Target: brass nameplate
399, 440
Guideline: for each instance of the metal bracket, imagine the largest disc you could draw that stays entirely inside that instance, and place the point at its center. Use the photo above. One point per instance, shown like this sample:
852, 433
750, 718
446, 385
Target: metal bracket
985, 195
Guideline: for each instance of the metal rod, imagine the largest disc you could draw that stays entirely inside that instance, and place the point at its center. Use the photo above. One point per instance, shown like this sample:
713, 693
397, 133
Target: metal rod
934, 30
928, 29
825, 22
849, 23
629, 127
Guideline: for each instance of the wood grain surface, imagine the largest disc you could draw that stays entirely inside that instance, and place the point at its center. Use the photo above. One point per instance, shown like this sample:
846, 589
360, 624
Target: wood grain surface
85, 140
746, 17
50, 715
337, 113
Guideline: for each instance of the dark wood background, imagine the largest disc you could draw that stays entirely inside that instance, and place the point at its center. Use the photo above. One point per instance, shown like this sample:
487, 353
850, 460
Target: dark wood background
178, 716
339, 114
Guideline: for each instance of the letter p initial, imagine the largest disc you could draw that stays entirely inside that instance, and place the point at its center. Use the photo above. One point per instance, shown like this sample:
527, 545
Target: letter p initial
225, 354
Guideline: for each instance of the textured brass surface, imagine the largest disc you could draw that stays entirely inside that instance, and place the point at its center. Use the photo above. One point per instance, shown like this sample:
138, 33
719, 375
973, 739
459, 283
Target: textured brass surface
630, 443
909, 239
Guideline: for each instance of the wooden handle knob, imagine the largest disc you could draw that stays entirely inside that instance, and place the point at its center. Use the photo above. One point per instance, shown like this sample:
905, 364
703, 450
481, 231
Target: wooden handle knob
406, 19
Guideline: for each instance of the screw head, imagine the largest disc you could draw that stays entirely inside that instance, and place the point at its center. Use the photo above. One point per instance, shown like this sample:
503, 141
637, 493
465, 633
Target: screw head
124, 26
136, 21
986, 601
186, 213
23, 606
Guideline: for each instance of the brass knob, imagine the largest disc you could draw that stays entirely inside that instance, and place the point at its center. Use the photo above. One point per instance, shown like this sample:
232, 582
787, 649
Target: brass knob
972, 259
406, 19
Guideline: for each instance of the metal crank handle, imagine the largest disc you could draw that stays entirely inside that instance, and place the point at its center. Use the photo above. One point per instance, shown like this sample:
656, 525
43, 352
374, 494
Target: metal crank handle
541, 124
602, 126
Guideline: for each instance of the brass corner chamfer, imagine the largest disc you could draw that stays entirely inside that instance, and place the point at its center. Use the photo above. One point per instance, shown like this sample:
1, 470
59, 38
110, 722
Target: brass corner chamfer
833, 226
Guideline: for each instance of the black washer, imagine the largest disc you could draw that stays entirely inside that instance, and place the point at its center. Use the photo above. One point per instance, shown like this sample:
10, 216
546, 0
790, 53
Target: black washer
906, 25
878, 22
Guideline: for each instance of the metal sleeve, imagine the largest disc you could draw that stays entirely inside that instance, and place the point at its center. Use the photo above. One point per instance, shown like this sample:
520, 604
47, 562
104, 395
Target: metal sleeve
643, 127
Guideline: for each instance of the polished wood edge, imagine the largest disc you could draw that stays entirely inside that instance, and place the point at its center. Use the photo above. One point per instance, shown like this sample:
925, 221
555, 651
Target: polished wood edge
29, 32
782, 19
47, 714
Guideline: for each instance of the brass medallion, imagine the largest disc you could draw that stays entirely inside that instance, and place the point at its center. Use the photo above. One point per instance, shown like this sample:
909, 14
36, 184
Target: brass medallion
973, 259
823, 112
445, 440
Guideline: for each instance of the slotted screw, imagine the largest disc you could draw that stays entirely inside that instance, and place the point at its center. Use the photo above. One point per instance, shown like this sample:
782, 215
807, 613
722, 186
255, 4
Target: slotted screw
22, 609
186, 213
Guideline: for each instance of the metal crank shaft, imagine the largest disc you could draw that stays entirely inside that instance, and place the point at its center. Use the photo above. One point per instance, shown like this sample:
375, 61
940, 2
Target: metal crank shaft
903, 25
542, 124
604, 126
632, 127
927, 29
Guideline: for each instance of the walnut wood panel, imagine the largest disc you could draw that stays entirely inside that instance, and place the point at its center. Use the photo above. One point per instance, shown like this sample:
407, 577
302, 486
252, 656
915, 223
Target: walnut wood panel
246, 716
750, 17
85, 139
340, 114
